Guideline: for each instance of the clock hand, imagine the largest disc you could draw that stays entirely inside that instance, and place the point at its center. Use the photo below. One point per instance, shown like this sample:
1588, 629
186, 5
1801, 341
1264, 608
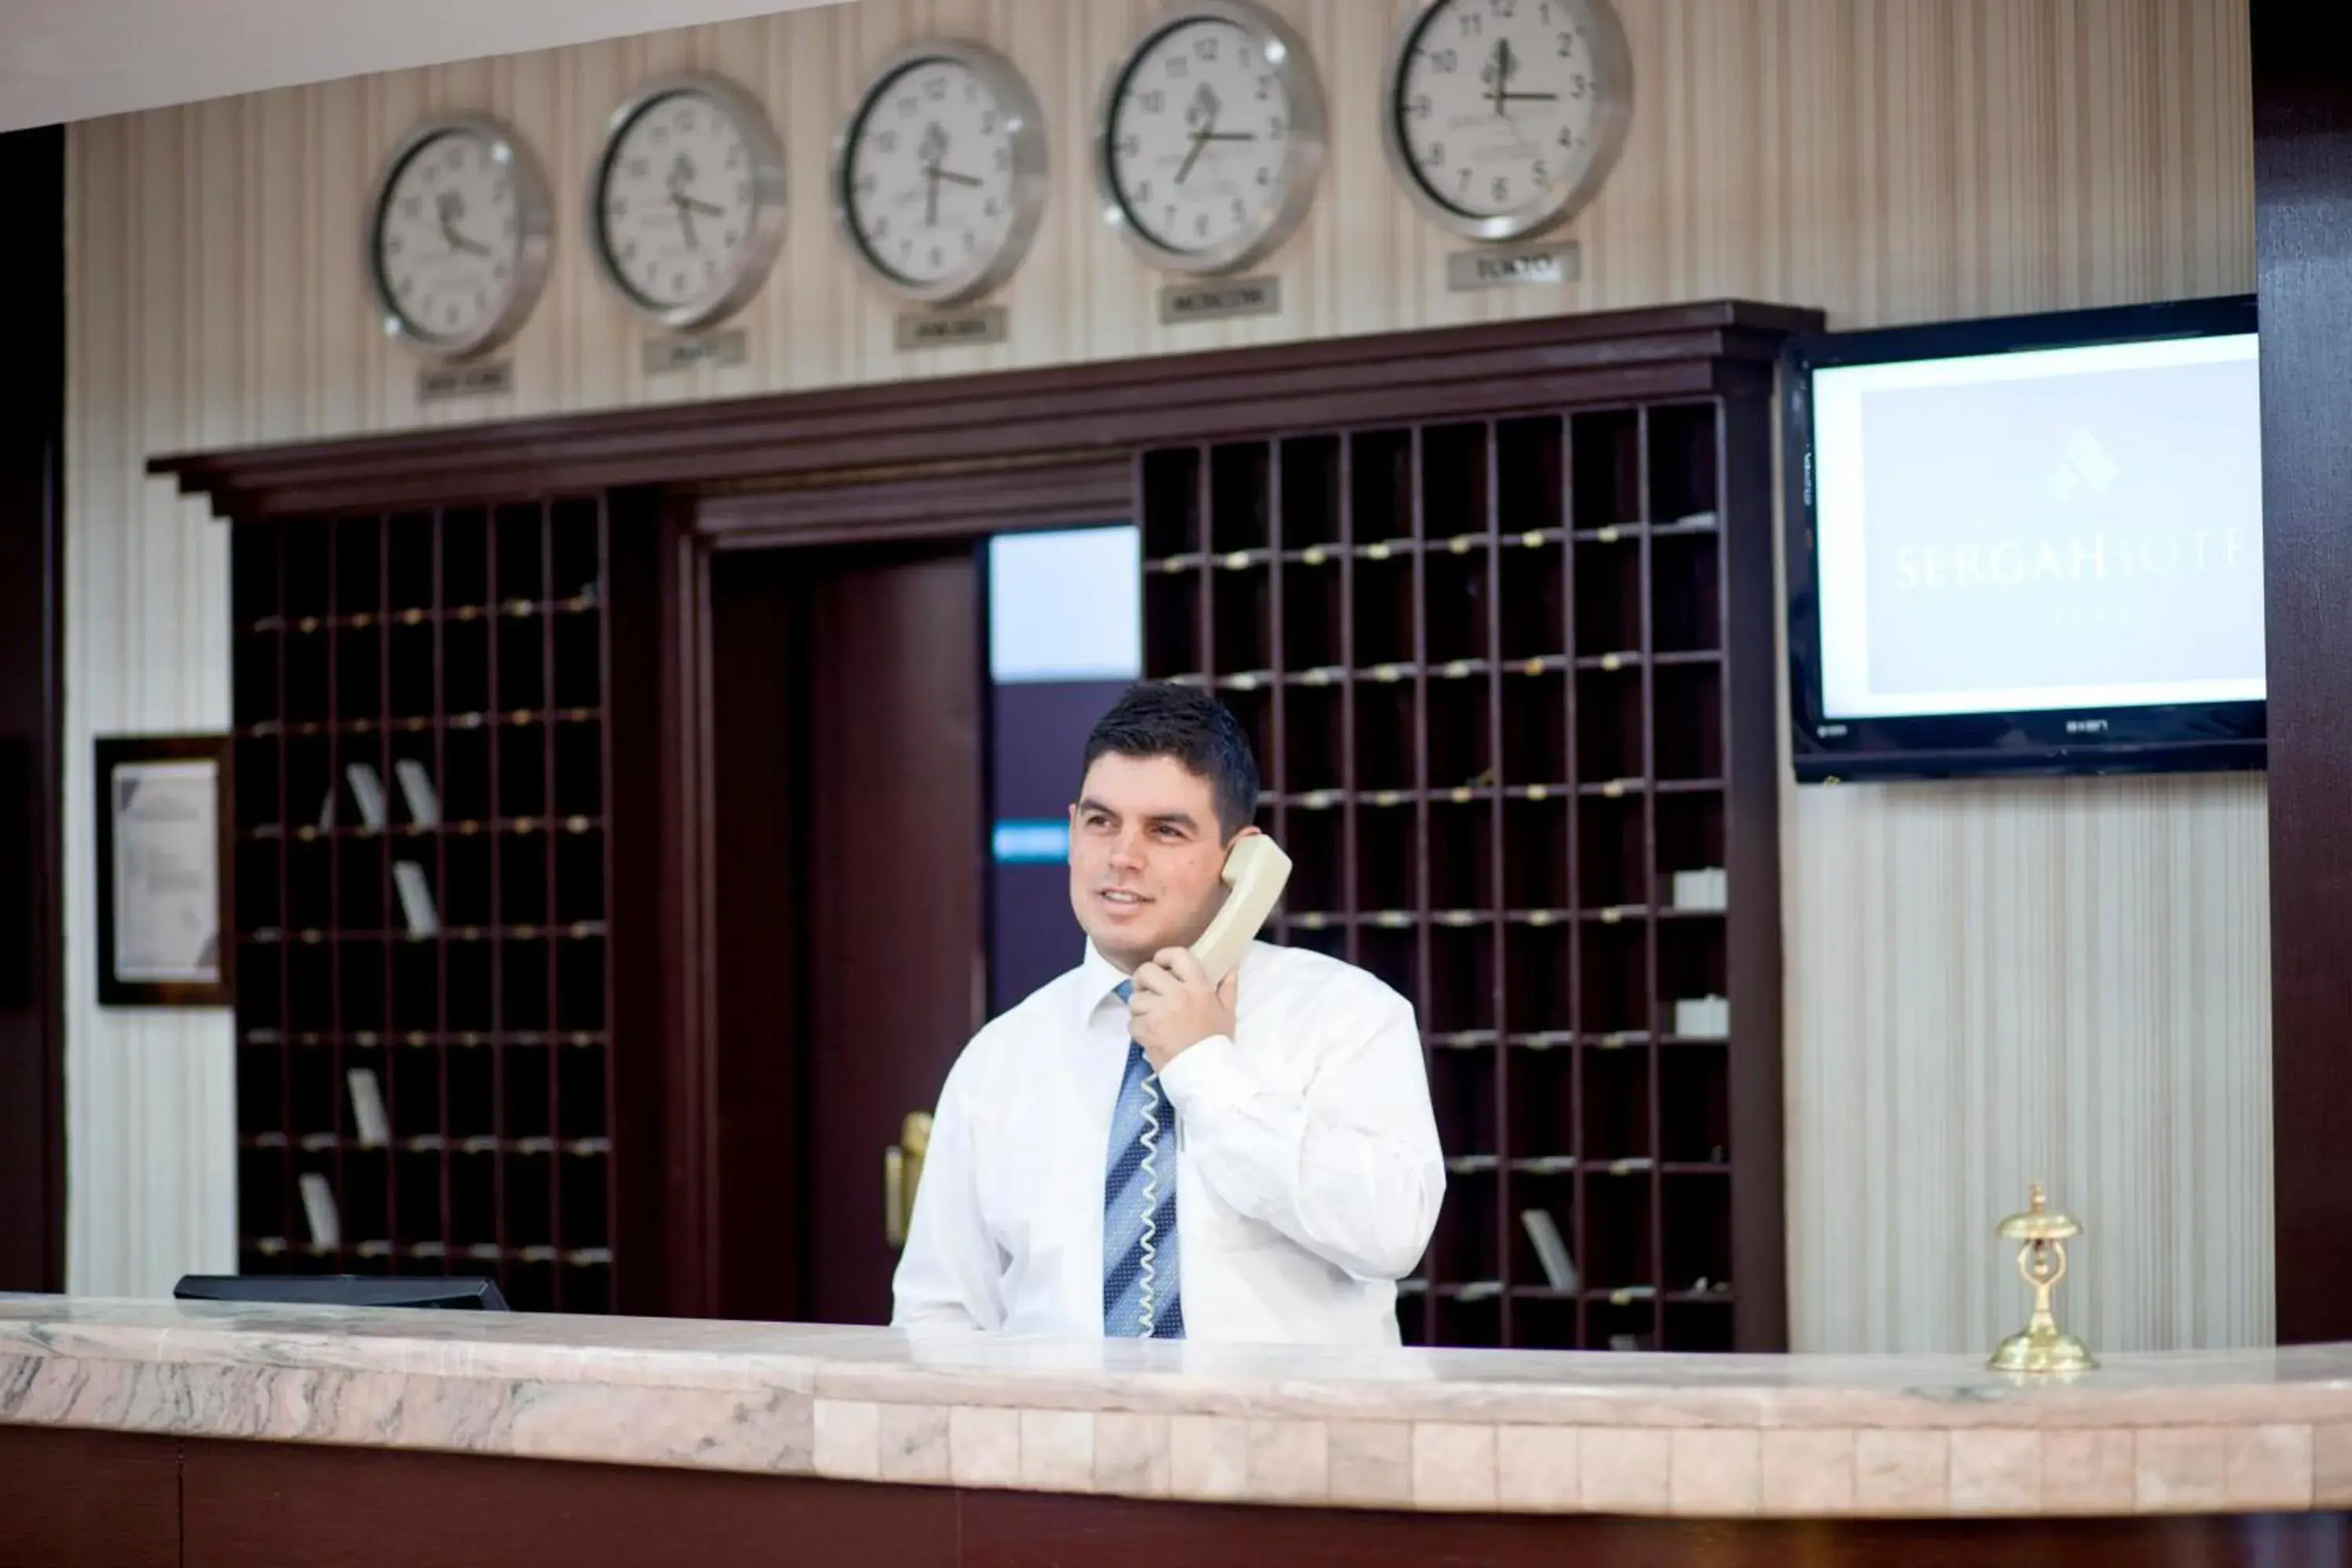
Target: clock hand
952, 178
1531, 97
1205, 108
1500, 69
1200, 140
449, 207
457, 241
1201, 134
685, 219
933, 151
705, 208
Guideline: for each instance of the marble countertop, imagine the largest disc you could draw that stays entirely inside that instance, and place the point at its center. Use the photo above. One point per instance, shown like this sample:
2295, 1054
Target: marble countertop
2234, 1431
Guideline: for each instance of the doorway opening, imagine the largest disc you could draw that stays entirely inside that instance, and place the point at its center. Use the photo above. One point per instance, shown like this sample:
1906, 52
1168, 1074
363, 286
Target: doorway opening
895, 734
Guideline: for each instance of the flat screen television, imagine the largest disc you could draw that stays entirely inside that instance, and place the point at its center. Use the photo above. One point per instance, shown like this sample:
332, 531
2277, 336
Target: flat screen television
2027, 545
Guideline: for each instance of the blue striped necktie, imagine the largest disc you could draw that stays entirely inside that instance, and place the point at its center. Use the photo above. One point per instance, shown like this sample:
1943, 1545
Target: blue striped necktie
1142, 1287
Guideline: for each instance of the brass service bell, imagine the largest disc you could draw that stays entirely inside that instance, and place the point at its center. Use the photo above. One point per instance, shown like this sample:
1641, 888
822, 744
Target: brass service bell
2040, 1348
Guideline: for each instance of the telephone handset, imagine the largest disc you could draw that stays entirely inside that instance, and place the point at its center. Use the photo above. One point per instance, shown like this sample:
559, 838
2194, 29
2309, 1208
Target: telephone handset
1256, 871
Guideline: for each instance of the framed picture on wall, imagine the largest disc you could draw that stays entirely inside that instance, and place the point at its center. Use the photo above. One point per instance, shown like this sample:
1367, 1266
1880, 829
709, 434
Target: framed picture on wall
164, 871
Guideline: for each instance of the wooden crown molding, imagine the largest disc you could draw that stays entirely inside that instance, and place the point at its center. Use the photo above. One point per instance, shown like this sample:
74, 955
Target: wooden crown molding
1052, 490
1103, 409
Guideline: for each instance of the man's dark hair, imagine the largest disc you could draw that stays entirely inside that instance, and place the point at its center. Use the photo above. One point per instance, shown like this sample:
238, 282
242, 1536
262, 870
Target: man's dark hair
1158, 718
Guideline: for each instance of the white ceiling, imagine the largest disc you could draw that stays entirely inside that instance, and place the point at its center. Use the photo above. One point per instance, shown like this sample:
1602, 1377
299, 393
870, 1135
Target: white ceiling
73, 59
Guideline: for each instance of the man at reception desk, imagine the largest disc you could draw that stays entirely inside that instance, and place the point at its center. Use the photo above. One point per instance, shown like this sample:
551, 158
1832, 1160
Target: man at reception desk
1191, 1134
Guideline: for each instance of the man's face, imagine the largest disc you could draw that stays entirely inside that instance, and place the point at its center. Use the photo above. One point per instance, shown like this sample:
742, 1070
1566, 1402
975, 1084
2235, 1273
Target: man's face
1145, 854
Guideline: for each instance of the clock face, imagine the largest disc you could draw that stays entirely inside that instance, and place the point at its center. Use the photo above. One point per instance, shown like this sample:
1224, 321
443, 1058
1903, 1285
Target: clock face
1212, 137
1504, 115
688, 202
458, 239
942, 173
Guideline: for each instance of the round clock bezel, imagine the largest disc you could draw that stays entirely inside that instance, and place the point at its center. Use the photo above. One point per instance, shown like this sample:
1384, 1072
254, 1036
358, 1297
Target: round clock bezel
1026, 130
770, 193
1611, 116
1303, 159
534, 227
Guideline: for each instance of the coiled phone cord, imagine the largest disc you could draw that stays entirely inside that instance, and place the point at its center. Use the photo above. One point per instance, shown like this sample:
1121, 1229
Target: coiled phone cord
1147, 1270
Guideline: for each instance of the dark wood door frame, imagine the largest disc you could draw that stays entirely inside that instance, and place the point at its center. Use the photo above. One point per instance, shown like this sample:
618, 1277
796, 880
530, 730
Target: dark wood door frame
32, 572
695, 531
688, 952
2303, 190
940, 460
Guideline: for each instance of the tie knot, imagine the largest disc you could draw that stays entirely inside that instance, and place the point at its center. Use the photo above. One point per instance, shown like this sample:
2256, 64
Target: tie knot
1126, 990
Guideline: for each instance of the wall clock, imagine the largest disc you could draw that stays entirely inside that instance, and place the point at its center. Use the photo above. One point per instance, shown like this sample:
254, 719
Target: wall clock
686, 205
1210, 136
460, 234
938, 179
1502, 117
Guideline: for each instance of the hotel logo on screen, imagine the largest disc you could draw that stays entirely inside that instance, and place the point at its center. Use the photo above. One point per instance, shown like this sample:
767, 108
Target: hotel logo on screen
2086, 472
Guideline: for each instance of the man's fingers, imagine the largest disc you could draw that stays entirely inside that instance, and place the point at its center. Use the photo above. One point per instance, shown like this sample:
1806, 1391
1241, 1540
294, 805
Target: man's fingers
1184, 964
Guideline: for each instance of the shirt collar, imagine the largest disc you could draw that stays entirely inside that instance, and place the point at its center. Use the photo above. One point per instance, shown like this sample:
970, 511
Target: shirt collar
1098, 978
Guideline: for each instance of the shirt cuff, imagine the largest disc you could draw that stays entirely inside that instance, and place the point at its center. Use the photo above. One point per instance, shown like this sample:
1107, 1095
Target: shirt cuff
1207, 1075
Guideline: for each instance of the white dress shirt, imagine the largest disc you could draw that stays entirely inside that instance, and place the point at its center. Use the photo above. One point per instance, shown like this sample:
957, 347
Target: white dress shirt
1307, 1175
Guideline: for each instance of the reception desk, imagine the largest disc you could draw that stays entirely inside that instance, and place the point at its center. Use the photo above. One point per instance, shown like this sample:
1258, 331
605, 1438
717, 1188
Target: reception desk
136, 1432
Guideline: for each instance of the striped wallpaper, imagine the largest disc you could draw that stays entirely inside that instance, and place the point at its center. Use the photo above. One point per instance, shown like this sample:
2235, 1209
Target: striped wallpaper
1989, 983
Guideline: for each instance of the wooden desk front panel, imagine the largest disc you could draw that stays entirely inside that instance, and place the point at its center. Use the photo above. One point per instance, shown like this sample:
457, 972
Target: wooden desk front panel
88, 1500
72, 1499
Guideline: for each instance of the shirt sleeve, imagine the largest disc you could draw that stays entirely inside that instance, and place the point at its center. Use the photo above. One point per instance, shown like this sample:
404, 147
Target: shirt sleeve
948, 1276
1350, 1169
